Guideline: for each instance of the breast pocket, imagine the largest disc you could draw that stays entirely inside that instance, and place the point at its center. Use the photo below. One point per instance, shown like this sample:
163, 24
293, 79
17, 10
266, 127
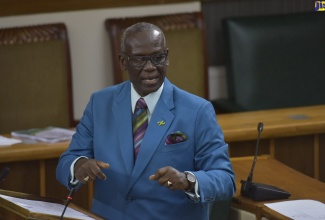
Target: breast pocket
176, 147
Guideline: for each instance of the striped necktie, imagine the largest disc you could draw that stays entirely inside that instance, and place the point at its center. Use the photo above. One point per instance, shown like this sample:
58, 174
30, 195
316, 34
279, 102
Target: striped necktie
139, 124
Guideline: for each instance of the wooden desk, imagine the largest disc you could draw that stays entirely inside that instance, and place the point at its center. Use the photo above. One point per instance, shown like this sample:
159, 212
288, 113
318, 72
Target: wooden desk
294, 136
298, 143
33, 171
32, 151
272, 172
9, 210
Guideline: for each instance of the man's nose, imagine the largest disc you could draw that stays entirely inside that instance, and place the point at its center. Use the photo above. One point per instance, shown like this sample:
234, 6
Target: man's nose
149, 65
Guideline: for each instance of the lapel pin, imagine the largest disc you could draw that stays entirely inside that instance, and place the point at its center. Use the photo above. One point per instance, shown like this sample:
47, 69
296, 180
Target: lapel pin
160, 123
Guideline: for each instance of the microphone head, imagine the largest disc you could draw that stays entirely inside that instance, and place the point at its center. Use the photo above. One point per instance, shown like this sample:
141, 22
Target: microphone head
260, 127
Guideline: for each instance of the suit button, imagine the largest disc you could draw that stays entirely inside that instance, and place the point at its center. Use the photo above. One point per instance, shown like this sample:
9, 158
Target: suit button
130, 199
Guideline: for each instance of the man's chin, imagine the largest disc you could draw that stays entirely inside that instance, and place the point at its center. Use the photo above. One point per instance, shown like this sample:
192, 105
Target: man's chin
150, 88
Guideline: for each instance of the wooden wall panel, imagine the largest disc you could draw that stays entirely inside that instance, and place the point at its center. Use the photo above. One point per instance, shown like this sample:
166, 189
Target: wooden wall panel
322, 157
19, 7
23, 177
296, 152
247, 148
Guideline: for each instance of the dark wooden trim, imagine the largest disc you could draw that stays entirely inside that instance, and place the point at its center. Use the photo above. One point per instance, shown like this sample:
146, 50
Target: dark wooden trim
33, 34
21, 7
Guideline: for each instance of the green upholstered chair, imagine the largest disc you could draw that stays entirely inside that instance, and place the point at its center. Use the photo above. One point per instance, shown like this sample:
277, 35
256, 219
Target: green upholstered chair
274, 62
35, 77
185, 35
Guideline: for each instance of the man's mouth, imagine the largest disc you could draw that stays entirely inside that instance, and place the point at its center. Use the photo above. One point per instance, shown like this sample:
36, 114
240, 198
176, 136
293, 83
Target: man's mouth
151, 80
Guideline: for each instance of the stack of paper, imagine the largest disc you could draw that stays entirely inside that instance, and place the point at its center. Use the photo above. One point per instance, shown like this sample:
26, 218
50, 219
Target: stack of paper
48, 134
300, 209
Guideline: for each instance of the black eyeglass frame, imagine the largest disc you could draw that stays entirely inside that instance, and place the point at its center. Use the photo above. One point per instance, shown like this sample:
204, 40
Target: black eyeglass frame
146, 58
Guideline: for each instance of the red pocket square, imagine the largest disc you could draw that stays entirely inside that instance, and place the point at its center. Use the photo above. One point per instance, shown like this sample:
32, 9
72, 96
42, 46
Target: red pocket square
176, 137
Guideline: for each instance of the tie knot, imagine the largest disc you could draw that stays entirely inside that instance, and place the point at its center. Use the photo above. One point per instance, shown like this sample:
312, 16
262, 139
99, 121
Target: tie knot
141, 104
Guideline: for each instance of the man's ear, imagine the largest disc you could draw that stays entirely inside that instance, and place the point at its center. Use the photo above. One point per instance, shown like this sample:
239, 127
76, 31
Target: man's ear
122, 62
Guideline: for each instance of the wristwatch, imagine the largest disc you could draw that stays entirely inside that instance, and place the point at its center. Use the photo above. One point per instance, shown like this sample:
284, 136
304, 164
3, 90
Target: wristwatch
191, 180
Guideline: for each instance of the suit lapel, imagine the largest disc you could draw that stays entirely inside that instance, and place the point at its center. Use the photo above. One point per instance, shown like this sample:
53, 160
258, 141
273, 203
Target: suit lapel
123, 119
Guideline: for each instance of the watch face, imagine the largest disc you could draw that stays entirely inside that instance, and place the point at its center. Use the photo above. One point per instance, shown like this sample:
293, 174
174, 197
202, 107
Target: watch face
191, 178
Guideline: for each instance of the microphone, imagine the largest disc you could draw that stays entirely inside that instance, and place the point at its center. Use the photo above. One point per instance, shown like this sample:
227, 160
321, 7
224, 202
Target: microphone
4, 173
250, 176
259, 191
69, 198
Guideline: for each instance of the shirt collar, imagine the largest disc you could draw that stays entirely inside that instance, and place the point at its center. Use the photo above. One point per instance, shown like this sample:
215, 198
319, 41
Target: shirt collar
151, 99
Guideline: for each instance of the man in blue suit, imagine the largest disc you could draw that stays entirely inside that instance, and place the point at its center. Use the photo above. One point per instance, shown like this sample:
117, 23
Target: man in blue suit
176, 165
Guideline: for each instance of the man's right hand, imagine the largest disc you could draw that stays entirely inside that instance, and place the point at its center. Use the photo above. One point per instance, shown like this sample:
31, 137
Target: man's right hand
89, 169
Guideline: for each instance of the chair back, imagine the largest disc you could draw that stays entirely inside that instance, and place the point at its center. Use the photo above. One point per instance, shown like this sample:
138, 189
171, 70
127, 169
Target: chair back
185, 36
35, 77
275, 61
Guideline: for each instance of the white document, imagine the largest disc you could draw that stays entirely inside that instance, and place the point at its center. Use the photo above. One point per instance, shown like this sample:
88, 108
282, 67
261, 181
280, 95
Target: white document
8, 141
47, 208
300, 209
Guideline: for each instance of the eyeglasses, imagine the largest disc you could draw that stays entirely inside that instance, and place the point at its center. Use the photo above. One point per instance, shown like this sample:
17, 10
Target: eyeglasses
156, 59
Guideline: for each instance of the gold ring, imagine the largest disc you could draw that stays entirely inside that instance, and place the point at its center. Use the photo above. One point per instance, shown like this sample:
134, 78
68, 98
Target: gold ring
86, 179
170, 184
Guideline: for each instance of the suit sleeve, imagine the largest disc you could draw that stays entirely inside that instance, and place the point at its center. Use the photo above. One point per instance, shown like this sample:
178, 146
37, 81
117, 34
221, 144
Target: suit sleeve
81, 145
213, 168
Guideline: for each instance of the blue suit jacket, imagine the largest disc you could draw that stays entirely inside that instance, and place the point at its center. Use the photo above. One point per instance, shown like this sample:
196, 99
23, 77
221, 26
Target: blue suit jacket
105, 133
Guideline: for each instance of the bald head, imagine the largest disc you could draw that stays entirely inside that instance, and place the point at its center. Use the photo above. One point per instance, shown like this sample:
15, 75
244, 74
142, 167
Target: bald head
140, 27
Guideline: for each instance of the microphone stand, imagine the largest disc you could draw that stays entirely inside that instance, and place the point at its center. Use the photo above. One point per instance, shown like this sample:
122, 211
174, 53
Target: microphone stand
69, 198
259, 191
250, 176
